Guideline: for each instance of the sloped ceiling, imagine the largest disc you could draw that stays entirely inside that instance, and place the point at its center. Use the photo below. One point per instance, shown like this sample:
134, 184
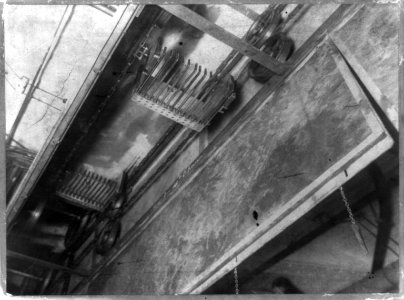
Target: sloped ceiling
29, 32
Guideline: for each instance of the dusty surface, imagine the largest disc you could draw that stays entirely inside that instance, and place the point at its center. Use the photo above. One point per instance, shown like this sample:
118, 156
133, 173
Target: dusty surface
378, 53
296, 136
160, 186
28, 34
334, 260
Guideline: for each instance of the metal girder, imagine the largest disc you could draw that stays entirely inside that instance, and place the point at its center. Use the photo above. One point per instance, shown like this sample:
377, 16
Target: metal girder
23, 274
192, 18
46, 264
248, 12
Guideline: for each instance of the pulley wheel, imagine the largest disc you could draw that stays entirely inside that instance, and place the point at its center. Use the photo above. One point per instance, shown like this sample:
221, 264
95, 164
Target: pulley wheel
277, 46
115, 208
108, 237
263, 27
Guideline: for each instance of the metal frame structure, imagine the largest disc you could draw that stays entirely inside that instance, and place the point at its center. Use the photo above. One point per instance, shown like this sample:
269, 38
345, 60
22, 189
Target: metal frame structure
174, 141
344, 12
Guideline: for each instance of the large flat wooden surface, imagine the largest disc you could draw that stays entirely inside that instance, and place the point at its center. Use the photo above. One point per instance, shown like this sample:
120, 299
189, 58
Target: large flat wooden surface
375, 58
284, 157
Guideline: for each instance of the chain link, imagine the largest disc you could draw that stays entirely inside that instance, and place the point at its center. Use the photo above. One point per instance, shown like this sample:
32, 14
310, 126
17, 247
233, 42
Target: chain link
236, 279
348, 208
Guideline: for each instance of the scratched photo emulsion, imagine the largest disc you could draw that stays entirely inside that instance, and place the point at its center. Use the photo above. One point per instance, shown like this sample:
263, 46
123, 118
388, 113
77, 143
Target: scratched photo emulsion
213, 149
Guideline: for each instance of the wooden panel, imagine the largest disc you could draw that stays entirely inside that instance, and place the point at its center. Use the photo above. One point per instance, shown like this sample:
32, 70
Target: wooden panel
369, 41
306, 140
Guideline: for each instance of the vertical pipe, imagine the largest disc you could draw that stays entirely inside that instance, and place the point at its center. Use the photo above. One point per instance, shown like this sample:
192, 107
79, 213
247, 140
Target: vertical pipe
193, 94
184, 73
162, 67
171, 83
143, 88
161, 87
187, 88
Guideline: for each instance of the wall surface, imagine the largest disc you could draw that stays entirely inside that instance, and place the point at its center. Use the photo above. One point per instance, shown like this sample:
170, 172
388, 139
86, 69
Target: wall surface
296, 136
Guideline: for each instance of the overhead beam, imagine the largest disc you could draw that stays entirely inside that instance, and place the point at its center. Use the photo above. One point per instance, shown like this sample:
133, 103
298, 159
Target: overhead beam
46, 264
248, 12
23, 274
219, 33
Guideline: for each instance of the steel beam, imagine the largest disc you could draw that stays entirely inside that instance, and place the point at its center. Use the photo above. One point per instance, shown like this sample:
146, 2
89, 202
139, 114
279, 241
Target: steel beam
248, 12
46, 264
23, 274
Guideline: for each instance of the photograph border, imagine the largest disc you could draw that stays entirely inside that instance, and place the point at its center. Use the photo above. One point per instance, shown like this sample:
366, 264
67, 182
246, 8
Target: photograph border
5, 213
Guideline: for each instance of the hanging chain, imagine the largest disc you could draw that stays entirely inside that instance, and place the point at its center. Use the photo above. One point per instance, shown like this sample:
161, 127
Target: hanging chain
348, 208
355, 227
236, 279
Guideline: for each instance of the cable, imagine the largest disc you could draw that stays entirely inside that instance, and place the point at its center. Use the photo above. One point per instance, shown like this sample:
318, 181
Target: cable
12, 70
45, 61
14, 88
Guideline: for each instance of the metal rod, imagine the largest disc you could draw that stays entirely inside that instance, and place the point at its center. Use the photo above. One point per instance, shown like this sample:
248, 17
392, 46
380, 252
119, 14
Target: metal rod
162, 87
101, 191
175, 83
145, 83
102, 10
93, 185
46, 103
159, 70
172, 81
77, 179
98, 186
83, 185
188, 87
160, 74
204, 97
187, 84
203, 88
193, 92
179, 84
23, 274
46, 264
109, 195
